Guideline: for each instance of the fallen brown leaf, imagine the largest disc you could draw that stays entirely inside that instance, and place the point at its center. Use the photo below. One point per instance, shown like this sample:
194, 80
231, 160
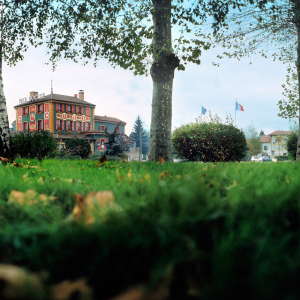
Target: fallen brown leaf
67, 289
161, 161
103, 158
93, 203
4, 160
29, 197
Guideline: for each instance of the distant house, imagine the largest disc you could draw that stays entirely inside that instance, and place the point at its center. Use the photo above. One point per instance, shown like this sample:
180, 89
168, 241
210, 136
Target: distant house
65, 117
274, 143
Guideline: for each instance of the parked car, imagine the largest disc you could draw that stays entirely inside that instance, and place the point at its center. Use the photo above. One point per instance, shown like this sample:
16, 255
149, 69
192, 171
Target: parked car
261, 157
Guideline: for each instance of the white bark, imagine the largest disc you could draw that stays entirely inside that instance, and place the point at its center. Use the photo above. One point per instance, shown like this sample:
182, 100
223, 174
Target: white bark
297, 23
162, 72
5, 140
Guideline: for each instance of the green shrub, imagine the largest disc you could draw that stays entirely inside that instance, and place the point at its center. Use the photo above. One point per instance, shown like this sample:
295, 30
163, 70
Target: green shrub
292, 144
209, 141
76, 147
33, 144
282, 157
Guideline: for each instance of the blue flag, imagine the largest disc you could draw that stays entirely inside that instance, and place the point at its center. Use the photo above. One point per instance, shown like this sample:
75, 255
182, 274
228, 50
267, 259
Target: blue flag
203, 111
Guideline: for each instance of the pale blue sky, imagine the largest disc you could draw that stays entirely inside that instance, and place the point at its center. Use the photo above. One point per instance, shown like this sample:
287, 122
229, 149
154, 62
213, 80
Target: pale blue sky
117, 93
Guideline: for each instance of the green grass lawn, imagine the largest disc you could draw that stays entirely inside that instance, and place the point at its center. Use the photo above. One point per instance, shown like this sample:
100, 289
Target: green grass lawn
219, 229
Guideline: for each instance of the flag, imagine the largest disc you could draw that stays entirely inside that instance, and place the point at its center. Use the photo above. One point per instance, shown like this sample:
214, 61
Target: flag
239, 106
203, 110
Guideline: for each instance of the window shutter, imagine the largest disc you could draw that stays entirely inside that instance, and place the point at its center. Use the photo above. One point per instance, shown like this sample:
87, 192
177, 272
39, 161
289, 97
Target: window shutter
72, 109
76, 109
42, 106
88, 111
85, 125
63, 125
22, 126
73, 124
62, 107
55, 106
42, 123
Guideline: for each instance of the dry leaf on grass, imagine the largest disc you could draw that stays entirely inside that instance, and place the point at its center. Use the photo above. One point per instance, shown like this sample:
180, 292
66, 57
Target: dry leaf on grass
92, 204
103, 158
68, 290
165, 174
160, 291
16, 283
4, 160
29, 197
161, 161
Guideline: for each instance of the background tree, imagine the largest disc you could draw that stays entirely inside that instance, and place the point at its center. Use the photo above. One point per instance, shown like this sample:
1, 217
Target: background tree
261, 133
275, 25
21, 24
135, 135
113, 146
254, 144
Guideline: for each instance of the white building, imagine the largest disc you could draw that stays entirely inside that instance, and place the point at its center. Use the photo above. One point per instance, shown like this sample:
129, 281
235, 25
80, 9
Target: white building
274, 143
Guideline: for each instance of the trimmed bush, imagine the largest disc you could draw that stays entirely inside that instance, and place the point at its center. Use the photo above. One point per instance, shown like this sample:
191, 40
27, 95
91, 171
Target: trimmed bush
33, 144
76, 147
209, 141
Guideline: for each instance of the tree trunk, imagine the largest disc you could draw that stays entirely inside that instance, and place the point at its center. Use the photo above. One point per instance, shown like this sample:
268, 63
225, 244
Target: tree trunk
162, 72
297, 23
5, 140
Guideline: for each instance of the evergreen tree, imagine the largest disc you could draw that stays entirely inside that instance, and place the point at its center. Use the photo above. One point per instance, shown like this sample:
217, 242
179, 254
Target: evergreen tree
135, 135
113, 147
261, 133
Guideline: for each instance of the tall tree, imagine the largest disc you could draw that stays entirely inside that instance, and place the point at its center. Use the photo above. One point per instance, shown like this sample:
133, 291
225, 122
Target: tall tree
275, 25
253, 141
135, 135
122, 32
21, 25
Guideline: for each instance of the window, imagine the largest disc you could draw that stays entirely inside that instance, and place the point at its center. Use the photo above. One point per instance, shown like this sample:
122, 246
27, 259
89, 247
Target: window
69, 125
40, 125
25, 111
79, 110
101, 127
69, 108
78, 126
25, 126
119, 130
265, 147
40, 108
88, 111
59, 124
87, 126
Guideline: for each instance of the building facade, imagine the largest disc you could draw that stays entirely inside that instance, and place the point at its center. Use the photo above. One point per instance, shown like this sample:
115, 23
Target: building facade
275, 143
65, 117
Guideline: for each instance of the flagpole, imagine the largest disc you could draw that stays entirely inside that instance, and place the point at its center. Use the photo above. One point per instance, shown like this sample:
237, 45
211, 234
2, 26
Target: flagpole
235, 113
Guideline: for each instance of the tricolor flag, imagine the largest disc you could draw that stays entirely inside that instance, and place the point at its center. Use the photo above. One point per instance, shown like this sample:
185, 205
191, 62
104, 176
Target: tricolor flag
203, 110
239, 106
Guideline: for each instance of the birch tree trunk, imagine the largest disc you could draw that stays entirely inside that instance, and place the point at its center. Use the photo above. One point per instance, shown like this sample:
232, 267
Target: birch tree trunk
162, 72
297, 23
5, 140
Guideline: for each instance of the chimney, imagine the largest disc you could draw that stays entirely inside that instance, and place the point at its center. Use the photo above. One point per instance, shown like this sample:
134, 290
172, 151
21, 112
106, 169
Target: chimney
81, 95
75, 95
33, 94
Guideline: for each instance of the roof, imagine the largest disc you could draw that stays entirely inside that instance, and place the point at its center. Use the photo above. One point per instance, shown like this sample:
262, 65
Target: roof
279, 132
108, 119
57, 97
265, 138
